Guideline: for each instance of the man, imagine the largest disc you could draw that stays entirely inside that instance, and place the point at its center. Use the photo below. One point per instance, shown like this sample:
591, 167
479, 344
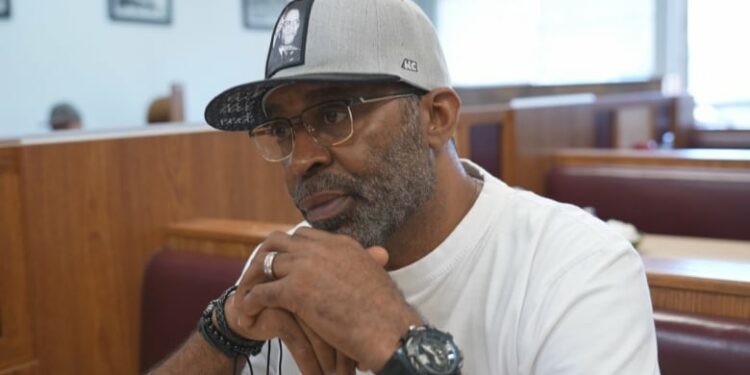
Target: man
410, 261
64, 116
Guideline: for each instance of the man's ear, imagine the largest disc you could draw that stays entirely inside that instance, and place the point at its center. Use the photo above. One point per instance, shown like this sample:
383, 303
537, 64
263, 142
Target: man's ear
440, 108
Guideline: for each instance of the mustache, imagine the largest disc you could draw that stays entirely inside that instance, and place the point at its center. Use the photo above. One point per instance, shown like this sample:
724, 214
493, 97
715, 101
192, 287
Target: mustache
326, 181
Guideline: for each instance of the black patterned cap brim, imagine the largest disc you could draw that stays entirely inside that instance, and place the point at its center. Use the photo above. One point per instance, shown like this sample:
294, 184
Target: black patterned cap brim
240, 108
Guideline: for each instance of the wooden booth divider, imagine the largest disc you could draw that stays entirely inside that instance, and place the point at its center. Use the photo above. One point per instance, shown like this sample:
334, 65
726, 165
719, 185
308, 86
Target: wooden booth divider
732, 138
503, 94
679, 158
81, 214
232, 238
698, 275
516, 141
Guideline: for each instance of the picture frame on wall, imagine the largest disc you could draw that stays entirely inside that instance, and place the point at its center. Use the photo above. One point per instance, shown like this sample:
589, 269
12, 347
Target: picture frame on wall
4, 9
148, 11
262, 14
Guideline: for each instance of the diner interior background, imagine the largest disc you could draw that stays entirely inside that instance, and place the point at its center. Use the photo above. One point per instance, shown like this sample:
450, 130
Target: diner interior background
113, 237
72, 51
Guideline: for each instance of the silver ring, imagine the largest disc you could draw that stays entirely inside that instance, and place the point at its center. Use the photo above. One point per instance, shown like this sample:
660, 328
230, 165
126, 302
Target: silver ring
268, 265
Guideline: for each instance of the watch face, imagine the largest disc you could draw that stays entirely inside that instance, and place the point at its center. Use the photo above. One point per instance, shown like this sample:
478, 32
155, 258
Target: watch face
433, 352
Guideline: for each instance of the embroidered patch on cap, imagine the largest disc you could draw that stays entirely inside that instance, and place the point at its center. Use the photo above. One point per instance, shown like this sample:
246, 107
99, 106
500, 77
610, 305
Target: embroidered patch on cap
289, 37
409, 65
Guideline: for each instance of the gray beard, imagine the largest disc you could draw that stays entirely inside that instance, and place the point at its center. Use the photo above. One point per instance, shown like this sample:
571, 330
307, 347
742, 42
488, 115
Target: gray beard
397, 181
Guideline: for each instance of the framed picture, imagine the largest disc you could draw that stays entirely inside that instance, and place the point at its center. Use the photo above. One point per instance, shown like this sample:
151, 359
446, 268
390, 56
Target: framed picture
4, 8
261, 14
150, 11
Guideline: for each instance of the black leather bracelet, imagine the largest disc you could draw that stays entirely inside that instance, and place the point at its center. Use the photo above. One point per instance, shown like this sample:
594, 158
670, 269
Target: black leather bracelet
222, 337
221, 321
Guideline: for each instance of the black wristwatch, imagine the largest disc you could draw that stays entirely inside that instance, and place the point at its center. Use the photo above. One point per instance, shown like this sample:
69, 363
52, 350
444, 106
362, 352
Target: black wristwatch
425, 351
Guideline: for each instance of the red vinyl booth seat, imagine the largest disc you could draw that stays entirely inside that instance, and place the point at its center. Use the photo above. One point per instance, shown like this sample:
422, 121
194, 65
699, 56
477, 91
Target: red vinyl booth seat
177, 287
676, 201
699, 345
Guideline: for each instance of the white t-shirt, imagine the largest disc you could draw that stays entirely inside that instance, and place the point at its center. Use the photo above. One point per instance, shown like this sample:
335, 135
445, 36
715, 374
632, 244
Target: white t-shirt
527, 285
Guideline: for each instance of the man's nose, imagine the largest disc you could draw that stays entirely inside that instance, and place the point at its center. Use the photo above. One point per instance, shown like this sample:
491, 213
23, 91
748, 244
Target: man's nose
307, 154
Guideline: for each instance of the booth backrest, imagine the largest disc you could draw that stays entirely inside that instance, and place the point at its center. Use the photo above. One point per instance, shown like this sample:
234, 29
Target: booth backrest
179, 285
700, 202
698, 345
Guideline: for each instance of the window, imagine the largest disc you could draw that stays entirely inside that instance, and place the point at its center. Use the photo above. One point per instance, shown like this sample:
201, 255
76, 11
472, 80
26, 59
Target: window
491, 42
718, 63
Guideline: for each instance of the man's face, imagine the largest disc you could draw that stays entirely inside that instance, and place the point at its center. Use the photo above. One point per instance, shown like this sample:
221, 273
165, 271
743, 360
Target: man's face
289, 26
370, 185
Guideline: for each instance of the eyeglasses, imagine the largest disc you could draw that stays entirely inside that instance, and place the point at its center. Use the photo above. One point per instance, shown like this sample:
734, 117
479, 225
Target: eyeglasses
329, 124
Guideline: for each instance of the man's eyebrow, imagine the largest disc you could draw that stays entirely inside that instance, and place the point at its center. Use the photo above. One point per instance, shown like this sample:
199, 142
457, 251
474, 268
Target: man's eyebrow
312, 96
322, 94
329, 92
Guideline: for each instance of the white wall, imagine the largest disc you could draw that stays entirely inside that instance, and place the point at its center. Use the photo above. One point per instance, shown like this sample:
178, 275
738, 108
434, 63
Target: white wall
53, 51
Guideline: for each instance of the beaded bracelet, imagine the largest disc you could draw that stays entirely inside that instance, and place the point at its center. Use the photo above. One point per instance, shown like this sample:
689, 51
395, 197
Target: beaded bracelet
222, 337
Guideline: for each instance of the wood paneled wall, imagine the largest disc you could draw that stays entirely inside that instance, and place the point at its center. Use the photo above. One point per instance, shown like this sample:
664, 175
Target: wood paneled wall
93, 212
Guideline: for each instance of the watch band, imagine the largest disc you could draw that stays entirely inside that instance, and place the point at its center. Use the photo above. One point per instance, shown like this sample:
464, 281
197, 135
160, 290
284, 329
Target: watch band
398, 364
222, 337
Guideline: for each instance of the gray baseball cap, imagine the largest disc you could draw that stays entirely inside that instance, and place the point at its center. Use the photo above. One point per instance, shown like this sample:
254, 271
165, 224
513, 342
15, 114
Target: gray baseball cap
346, 41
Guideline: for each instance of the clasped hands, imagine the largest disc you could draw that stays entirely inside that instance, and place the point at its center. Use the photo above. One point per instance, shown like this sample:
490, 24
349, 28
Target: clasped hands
332, 303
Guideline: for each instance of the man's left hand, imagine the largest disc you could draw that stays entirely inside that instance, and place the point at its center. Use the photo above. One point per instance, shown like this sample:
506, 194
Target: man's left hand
337, 288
